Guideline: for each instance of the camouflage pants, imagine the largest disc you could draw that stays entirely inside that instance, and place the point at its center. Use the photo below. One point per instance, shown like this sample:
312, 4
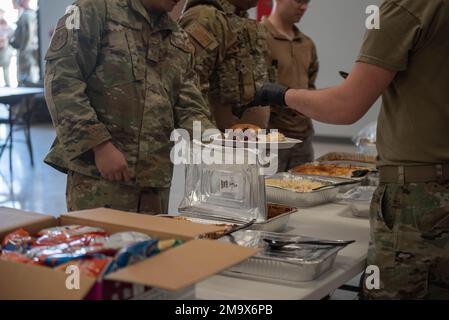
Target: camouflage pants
298, 155
410, 241
85, 192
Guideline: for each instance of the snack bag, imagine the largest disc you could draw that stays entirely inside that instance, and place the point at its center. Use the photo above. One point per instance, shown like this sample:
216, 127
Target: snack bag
18, 241
139, 252
121, 240
65, 234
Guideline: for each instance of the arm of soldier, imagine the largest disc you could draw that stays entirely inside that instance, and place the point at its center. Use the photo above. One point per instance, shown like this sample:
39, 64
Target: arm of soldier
71, 59
313, 69
346, 103
191, 105
206, 30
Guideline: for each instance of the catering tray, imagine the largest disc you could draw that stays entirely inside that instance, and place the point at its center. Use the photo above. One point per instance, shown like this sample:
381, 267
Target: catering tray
325, 170
293, 264
277, 219
302, 199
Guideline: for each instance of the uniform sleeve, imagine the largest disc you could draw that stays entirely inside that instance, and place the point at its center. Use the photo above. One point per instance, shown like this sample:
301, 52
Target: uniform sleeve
206, 30
191, 105
71, 59
390, 46
313, 68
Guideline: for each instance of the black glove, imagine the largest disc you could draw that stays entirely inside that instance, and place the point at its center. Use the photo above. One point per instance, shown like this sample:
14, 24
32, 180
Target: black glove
270, 94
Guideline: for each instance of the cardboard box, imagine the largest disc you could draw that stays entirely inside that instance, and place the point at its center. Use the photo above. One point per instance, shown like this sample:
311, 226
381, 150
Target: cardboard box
170, 274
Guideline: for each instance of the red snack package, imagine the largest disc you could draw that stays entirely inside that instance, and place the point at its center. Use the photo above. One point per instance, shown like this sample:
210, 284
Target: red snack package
65, 234
90, 268
18, 241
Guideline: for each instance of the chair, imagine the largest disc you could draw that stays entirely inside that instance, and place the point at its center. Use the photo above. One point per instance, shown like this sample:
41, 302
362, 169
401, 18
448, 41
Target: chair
20, 120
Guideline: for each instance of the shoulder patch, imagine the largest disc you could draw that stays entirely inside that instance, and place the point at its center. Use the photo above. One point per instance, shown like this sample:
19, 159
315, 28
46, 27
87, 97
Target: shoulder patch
202, 36
60, 39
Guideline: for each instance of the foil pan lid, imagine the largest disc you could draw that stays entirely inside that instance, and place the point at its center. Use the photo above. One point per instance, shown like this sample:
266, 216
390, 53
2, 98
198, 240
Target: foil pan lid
294, 254
234, 192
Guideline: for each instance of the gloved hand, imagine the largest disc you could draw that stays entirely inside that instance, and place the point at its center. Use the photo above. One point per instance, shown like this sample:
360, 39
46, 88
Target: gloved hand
270, 94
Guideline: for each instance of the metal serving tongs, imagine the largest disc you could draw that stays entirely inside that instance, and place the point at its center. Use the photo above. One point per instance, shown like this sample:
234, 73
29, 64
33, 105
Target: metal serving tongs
279, 244
346, 183
239, 228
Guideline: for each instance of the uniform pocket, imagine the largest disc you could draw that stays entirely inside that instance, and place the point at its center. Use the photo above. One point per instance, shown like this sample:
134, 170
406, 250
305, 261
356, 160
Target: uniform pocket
435, 224
121, 59
381, 214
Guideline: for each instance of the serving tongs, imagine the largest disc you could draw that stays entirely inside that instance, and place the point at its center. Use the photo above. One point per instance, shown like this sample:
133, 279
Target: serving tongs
279, 244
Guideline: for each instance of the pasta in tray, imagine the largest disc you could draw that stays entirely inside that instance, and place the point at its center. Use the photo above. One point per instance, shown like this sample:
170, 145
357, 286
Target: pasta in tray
301, 186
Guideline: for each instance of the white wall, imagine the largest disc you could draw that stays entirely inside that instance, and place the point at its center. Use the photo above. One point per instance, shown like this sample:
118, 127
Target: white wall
337, 27
49, 12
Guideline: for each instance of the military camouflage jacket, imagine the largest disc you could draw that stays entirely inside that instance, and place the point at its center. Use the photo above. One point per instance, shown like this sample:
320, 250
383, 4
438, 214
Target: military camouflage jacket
123, 76
230, 54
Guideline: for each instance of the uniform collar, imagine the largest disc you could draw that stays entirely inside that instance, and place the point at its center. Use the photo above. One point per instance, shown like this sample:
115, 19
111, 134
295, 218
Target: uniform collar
157, 23
299, 36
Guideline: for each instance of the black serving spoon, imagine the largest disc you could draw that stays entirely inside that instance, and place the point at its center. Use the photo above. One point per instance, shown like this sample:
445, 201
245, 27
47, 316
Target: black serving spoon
277, 244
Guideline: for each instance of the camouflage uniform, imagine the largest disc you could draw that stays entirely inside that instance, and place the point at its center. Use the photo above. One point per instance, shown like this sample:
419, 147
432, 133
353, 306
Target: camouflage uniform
410, 241
25, 40
124, 76
231, 59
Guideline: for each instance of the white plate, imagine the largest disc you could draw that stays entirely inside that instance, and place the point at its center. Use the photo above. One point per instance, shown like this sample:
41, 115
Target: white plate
284, 145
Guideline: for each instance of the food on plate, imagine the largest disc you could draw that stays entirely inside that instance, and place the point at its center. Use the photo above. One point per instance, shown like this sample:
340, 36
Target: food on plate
329, 170
294, 185
249, 132
244, 127
273, 137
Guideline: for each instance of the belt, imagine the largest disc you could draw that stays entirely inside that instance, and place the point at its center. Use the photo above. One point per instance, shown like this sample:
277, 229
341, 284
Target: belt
414, 174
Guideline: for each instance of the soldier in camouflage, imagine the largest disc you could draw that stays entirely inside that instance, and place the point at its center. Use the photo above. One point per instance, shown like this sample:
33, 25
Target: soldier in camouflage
230, 53
25, 40
116, 88
405, 61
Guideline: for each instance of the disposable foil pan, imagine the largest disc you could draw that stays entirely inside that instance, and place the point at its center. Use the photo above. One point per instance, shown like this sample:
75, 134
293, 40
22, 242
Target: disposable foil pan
293, 264
278, 218
302, 199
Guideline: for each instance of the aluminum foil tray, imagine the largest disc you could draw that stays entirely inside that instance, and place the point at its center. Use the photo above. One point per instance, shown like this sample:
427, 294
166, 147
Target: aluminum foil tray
234, 192
290, 265
302, 199
278, 218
